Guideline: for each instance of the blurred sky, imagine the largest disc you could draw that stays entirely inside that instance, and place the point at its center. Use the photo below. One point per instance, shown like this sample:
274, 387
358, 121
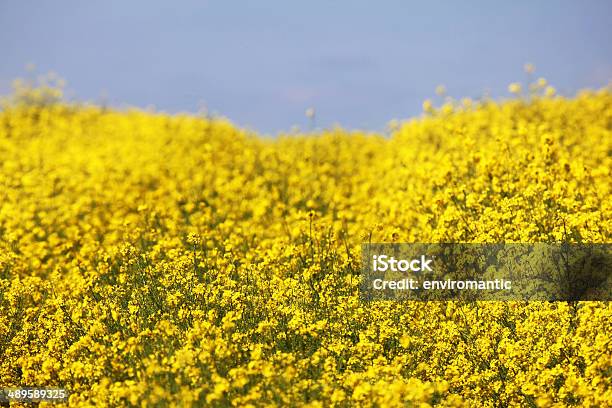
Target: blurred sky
262, 63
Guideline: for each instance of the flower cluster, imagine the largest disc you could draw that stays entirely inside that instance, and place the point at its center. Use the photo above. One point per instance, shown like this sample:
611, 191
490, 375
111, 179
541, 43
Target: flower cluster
155, 260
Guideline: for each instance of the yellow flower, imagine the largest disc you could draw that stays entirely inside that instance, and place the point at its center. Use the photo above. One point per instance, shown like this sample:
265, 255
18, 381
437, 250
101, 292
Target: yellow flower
514, 88
175, 260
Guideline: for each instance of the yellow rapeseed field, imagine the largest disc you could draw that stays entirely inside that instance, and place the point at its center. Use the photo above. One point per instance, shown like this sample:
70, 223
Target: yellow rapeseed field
149, 259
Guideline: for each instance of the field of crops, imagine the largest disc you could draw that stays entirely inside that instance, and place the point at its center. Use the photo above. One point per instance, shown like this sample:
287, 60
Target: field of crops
149, 259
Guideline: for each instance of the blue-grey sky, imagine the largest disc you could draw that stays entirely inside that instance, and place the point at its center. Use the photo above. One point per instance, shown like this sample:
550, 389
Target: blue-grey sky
262, 63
